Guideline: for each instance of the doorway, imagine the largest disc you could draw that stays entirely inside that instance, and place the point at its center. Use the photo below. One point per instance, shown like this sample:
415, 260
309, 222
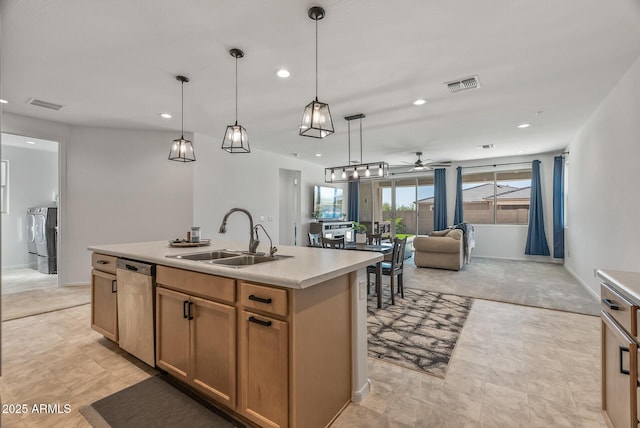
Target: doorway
30, 189
289, 209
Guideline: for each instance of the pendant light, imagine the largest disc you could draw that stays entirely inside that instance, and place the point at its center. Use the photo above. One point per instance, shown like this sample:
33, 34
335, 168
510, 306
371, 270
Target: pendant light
355, 171
235, 137
181, 149
316, 119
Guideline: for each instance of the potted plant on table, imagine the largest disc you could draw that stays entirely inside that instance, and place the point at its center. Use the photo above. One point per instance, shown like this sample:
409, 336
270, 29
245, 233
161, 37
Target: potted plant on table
360, 232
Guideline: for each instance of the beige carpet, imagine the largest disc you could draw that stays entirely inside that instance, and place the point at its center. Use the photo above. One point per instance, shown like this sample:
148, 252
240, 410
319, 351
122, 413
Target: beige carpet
32, 302
543, 285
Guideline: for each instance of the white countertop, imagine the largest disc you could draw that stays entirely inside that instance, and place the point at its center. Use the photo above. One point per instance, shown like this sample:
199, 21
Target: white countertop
628, 283
307, 267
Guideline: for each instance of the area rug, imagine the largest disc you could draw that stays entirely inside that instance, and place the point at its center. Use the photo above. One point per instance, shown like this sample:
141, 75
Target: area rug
418, 332
34, 302
154, 403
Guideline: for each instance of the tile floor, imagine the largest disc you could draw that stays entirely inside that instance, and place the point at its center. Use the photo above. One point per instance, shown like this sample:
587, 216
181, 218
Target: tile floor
513, 366
19, 280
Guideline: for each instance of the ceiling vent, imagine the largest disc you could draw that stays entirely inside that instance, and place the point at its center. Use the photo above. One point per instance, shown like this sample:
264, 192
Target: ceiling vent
465, 84
486, 146
45, 104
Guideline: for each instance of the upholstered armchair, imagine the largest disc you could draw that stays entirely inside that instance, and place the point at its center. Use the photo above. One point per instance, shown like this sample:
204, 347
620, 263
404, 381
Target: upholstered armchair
441, 249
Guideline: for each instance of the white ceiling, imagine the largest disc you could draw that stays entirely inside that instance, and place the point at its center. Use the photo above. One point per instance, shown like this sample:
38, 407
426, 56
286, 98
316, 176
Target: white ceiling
113, 63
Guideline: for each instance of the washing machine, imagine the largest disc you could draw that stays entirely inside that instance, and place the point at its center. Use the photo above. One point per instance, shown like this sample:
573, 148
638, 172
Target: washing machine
45, 231
30, 235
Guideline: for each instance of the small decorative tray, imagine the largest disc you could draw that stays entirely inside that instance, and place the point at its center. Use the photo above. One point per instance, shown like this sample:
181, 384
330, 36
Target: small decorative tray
185, 243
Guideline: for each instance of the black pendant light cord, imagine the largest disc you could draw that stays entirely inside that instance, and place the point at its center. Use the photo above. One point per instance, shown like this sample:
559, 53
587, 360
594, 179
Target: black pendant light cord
360, 140
182, 113
316, 60
236, 90
349, 141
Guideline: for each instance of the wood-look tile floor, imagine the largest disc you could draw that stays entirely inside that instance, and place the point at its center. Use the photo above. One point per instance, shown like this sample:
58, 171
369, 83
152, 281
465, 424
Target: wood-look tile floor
513, 366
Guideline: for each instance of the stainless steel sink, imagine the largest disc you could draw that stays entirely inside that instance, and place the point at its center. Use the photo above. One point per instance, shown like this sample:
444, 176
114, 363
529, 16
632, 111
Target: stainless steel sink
247, 260
208, 255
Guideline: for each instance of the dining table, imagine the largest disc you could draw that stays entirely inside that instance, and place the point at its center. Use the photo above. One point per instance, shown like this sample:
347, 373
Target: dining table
379, 248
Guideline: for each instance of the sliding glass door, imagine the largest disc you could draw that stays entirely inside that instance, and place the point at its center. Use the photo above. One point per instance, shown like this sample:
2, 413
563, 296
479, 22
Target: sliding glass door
406, 204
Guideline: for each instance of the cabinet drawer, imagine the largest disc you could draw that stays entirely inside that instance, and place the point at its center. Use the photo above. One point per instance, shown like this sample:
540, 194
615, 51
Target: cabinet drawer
103, 262
619, 308
263, 298
197, 284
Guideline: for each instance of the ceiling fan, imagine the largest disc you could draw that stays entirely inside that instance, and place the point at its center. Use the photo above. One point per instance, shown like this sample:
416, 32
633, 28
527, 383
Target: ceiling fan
420, 165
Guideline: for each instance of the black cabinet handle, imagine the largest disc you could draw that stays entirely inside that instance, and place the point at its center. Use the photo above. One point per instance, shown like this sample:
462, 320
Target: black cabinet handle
611, 305
114, 286
190, 306
132, 267
185, 306
259, 321
623, 349
102, 262
260, 299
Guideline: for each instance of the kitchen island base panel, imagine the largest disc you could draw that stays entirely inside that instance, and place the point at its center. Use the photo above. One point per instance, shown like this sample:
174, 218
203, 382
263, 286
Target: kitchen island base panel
320, 352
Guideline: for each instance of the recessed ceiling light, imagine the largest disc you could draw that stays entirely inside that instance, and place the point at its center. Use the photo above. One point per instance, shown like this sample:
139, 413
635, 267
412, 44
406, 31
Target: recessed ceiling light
165, 115
30, 142
419, 102
524, 125
4, 101
283, 72
318, 155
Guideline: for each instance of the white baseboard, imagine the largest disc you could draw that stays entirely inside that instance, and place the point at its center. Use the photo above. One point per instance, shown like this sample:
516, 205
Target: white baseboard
542, 259
361, 394
584, 284
17, 267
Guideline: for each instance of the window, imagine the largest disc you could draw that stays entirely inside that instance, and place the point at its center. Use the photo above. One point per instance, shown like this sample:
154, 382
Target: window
4, 186
497, 197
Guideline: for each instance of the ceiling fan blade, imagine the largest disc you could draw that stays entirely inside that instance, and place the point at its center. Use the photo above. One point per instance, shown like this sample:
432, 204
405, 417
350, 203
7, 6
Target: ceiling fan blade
444, 164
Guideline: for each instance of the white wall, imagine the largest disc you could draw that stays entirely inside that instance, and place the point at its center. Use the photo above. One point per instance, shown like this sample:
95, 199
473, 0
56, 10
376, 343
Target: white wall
603, 206
33, 182
122, 188
223, 181
115, 186
502, 240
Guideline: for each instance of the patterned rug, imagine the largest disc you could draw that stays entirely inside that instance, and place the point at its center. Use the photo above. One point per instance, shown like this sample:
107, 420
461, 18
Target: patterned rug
418, 332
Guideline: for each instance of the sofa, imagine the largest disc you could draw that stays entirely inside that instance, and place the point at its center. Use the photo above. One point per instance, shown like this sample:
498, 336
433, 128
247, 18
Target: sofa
441, 249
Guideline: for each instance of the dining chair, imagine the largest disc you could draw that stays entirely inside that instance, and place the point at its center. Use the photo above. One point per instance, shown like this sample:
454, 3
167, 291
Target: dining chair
332, 243
393, 268
314, 240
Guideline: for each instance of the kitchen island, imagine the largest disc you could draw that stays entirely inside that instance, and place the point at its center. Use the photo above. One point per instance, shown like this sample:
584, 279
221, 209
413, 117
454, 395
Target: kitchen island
281, 343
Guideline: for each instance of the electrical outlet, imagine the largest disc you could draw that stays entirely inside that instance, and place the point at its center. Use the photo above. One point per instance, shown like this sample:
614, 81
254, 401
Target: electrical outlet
270, 218
362, 290
261, 218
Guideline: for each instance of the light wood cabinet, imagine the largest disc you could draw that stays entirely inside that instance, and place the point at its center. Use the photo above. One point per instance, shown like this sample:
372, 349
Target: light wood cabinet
264, 364
196, 339
104, 302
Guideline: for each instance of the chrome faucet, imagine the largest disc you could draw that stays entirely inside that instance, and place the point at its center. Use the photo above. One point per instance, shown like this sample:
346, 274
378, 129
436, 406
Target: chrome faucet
272, 249
253, 242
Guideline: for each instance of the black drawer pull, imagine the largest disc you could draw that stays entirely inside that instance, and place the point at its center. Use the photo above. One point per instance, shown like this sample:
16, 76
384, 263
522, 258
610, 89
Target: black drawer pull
114, 286
190, 306
102, 262
259, 321
132, 267
185, 308
260, 299
611, 305
623, 349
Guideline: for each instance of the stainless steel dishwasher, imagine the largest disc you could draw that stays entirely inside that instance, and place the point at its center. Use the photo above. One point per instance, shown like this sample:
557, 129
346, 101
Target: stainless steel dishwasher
136, 306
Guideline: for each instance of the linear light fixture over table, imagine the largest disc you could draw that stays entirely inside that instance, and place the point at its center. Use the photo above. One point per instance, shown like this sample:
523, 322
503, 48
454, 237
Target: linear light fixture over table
360, 171
235, 137
316, 119
181, 149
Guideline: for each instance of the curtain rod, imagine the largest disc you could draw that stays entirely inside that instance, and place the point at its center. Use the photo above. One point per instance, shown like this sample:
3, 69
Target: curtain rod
497, 164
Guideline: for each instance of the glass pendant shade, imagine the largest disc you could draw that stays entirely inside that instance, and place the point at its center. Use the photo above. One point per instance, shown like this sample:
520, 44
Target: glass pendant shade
182, 151
236, 140
316, 120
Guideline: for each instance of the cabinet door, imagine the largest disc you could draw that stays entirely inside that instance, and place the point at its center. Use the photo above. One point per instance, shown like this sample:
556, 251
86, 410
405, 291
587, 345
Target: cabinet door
213, 349
619, 375
264, 370
172, 332
104, 304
